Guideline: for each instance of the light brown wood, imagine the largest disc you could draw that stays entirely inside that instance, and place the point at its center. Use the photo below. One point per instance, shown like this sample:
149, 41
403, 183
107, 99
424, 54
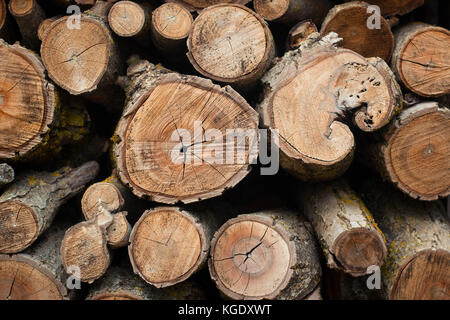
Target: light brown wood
300, 32
254, 256
29, 205
167, 245
159, 161
118, 233
80, 60
314, 144
44, 25
28, 15
231, 44
421, 59
349, 21
350, 239
418, 241
292, 11
395, 7
171, 23
413, 152
198, 5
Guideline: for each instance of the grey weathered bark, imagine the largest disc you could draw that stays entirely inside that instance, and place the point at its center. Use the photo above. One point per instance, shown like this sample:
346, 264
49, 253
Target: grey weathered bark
6, 174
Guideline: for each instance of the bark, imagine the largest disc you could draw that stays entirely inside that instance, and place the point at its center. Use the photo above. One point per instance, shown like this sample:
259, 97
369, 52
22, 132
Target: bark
349, 237
314, 144
299, 32
292, 11
37, 273
420, 58
91, 63
170, 26
413, 151
8, 29
237, 55
351, 21
265, 255
179, 166
28, 15
36, 121
395, 7
418, 240
169, 244
119, 283
6, 174
29, 205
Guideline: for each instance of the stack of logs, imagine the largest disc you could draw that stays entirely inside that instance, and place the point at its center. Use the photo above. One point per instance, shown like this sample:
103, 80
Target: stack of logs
122, 112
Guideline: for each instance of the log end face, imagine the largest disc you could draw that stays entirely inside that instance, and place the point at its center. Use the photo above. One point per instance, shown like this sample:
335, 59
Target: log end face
126, 18
101, 195
19, 226
21, 8
271, 9
250, 259
167, 246
358, 249
172, 21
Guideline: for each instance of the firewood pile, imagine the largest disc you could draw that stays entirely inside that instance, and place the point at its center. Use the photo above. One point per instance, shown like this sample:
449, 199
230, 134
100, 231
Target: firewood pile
205, 149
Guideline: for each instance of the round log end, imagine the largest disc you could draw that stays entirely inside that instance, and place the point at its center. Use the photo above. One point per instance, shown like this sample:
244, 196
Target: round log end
101, 195
84, 247
21, 8
359, 248
126, 18
19, 226
229, 43
172, 21
23, 279
76, 58
425, 276
167, 246
118, 233
271, 9
251, 259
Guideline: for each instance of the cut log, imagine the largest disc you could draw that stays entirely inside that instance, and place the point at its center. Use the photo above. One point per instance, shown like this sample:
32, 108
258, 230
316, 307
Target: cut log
300, 32
171, 126
85, 246
198, 5
169, 244
119, 283
351, 21
395, 7
292, 11
6, 174
44, 25
171, 23
350, 239
37, 273
310, 89
31, 106
231, 44
265, 255
421, 58
28, 15
418, 239
29, 205
131, 19
85, 59
413, 152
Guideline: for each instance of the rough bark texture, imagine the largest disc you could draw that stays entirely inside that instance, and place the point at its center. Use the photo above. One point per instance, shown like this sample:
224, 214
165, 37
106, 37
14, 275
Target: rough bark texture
350, 239
300, 32
292, 11
351, 21
198, 5
84, 60
395, 7
28, 15
344, 83
421, 58
31, 106
238, 54
6, 174
165, 162
37, 273
265, 255
413, 151
29, 205
169, 244
418, 241
119, 283
170, 26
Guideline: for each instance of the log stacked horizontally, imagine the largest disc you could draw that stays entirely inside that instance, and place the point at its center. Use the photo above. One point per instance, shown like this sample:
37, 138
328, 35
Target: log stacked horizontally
224, 149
